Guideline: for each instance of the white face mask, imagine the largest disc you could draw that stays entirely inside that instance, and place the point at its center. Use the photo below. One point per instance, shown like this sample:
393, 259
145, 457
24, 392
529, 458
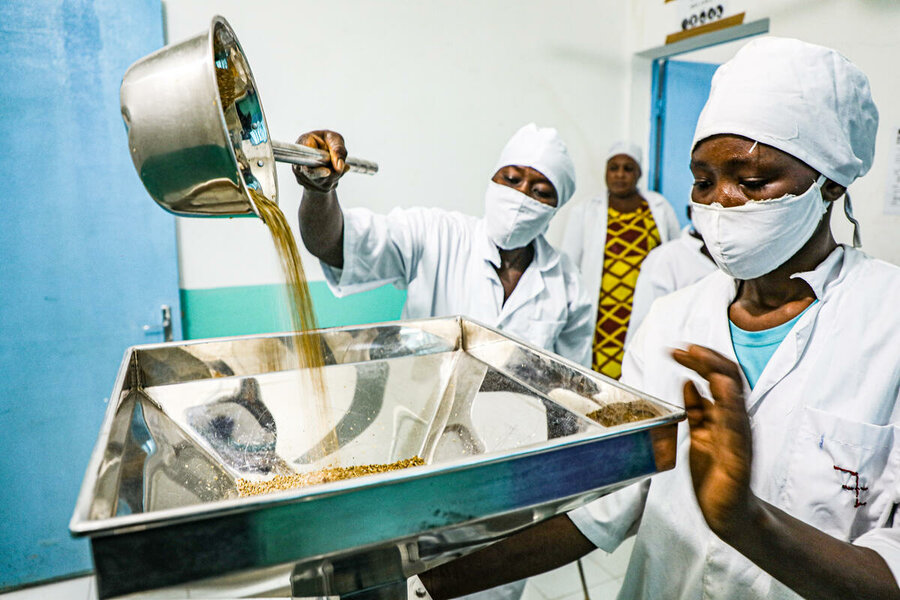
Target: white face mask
512, 218
756, 238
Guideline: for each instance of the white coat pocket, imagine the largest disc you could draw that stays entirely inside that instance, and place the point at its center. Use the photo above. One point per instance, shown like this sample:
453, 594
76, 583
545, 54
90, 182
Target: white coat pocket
841, 474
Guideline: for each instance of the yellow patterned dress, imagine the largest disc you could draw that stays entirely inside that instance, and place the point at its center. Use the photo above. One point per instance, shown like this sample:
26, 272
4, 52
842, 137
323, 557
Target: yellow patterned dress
629, 238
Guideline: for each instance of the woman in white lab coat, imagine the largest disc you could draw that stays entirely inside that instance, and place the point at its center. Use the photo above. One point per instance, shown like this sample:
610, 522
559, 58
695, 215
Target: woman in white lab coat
788, 484
668, 268
608, 237
498, 269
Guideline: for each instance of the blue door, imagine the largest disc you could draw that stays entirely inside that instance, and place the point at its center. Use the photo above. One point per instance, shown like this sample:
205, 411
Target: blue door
680, 90
86, 261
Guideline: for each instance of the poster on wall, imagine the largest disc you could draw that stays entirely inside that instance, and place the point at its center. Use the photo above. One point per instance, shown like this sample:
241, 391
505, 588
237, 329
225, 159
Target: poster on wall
696, 17
892, 191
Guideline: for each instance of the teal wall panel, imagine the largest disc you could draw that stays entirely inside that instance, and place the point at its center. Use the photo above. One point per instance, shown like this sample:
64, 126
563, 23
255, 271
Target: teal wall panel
243, 310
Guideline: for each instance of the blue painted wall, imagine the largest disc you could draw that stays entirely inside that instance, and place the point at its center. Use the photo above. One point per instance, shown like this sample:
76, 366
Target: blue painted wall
87, 260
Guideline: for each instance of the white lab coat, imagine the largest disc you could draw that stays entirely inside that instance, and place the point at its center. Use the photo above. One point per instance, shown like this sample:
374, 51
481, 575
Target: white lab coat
446, 261
669, 267
829, 397
585, 238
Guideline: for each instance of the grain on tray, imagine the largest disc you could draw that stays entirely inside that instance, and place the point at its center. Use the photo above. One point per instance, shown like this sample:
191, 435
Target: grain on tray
617, 413
298, 480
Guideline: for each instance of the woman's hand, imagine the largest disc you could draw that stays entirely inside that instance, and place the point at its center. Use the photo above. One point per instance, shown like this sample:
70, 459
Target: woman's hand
721, 441
808, 560
322, 179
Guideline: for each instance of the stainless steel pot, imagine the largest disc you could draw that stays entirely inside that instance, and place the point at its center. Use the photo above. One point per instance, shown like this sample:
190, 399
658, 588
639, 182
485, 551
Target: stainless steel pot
197, 131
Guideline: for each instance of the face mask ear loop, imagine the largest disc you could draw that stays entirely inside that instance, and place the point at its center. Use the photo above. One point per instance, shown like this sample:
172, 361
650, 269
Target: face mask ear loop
848, 210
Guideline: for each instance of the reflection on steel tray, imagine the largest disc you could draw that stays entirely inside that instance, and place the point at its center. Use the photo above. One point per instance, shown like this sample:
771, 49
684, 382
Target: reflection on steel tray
501, 426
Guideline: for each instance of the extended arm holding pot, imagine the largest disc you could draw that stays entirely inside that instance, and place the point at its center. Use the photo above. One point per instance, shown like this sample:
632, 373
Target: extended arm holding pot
321, 219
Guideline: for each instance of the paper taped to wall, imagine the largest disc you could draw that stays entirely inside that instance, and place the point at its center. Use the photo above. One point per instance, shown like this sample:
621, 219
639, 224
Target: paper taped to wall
892, 190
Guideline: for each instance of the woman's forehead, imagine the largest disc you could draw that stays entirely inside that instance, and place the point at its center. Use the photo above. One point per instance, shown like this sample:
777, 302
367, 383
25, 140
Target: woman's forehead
736, 150
727, 143
620, 159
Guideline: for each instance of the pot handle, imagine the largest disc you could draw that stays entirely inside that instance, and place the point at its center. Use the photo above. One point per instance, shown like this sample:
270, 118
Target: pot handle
310, 157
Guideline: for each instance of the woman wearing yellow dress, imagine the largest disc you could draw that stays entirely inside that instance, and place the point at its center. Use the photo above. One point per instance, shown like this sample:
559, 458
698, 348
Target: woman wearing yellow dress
608, 237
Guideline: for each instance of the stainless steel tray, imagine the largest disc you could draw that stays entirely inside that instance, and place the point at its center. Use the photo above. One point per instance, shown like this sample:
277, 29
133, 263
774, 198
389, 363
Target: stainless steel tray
501, 426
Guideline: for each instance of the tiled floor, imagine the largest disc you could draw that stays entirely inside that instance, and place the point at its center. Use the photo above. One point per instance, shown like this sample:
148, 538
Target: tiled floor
603, 572
81, 588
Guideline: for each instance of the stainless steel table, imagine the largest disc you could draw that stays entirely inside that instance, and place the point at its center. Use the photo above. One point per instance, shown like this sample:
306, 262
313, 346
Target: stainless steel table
500, 424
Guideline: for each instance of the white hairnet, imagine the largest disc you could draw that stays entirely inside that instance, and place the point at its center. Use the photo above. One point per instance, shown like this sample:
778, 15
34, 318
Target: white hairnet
542, 149
628, 149
803, 99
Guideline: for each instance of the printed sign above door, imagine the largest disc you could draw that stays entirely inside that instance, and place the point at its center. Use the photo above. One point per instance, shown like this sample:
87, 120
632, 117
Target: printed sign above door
696, 17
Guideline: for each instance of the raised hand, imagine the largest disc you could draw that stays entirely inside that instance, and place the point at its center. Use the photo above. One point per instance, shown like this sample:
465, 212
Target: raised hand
322, 179
721, 442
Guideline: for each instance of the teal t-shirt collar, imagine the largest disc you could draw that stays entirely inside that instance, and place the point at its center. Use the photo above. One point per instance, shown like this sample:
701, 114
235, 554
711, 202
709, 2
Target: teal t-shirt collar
754, 349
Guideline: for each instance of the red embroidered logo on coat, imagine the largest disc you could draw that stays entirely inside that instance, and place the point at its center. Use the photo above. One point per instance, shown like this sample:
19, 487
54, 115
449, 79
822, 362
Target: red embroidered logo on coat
855, 488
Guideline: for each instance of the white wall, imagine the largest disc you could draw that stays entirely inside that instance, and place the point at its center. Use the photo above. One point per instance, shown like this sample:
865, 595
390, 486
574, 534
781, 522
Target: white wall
429, 90
865, 31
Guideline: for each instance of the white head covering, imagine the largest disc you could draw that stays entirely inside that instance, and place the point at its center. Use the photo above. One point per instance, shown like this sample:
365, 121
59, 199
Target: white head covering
803, 99
628, 149
542, 149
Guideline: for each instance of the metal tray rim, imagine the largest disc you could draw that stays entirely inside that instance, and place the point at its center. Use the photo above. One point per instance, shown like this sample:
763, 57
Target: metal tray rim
80, 526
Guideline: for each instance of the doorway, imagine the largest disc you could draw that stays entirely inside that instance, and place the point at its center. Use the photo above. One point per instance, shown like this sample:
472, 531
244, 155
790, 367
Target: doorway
680, 89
